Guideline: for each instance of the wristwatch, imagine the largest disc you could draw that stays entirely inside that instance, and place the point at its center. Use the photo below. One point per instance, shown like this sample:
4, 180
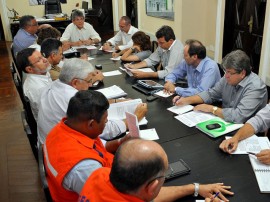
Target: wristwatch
196, 190
132, 49
214, 110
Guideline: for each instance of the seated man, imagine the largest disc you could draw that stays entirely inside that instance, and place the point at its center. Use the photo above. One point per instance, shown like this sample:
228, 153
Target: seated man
137, 174
49, 32
36, 68
242, 92
202, 72
75, 75
52, 49
79, 32
73, 149
259, 123
26, 35
122, 40
169, 53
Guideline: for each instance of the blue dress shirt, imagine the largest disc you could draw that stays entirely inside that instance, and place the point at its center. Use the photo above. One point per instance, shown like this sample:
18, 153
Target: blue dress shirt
199, 78
23, 40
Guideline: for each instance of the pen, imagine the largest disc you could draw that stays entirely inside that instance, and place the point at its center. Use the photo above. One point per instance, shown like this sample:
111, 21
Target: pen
176, 100
215, 196
252, 153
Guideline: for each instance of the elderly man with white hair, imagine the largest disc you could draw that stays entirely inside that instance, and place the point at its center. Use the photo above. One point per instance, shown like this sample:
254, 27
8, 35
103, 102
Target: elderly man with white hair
76, 75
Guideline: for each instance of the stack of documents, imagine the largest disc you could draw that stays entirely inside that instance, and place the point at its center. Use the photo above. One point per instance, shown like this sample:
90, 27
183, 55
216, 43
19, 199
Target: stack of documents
112, 92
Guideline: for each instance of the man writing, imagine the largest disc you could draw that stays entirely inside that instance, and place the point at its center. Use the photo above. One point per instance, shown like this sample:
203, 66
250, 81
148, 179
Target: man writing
259, 123
137, 174
79, 32
169, 53
122, 40
242, 92
202, 73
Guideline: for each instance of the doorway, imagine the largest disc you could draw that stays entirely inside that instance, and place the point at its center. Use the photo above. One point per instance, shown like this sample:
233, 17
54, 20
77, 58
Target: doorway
243, 28
132, 12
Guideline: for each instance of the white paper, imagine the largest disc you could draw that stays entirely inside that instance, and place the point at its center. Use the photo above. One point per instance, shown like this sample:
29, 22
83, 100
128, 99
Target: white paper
117, 110
132, 123
117, 58
90, 58
109, 51
71, 50
252, 144
180, 109
112, 73
162, 94
149, 134
112, 92
192, 118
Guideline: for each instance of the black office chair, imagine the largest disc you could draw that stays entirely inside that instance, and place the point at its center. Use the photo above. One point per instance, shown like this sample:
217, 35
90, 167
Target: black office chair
154, 46
221, 70
43, 174
52, 7
31, 121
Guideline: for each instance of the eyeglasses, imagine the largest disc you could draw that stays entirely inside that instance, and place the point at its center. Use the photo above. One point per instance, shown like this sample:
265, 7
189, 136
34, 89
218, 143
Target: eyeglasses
39, 60
231, 73
167, 174
89, 81
36, 24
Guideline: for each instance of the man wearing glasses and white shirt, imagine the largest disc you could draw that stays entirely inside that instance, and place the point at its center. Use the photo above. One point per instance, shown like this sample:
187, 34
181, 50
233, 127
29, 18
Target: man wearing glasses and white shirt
242, 92
36, 68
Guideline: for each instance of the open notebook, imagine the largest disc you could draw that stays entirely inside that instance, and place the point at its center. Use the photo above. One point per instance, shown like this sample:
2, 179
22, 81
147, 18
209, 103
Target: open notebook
262, 173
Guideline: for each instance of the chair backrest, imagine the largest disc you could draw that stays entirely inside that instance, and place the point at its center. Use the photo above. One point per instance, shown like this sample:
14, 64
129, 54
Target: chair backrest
42, 172
52, 7
154, 46
221, 70
14, 61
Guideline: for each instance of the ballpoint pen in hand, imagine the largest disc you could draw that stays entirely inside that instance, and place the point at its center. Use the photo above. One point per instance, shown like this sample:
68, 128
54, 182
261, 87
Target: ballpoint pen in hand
252, 153
214, 196
176, 100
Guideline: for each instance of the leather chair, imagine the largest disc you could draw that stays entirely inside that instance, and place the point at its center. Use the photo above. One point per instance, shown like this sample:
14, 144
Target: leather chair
42, 173
52, 7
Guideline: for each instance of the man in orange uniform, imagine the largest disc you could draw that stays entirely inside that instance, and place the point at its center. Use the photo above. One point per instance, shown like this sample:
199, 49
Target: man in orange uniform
137, 174
75, 140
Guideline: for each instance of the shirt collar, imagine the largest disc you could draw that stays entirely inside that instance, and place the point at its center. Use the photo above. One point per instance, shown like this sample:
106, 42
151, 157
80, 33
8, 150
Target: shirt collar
201, 64
170, 47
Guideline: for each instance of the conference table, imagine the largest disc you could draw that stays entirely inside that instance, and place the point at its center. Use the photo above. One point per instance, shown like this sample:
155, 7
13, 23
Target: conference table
202, 154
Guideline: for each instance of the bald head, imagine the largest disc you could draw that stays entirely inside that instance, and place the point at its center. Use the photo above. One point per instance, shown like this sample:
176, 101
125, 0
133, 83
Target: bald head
140, 150
136, 162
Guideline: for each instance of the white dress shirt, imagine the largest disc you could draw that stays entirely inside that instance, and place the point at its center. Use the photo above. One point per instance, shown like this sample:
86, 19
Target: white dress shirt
53, 106
33, 86
123, 38
73, 34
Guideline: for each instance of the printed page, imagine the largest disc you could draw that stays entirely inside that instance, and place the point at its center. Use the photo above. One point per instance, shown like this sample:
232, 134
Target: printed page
112, 73
180, 109
112, 92
192, 118
115, 59
149, 134
252, 144
117, 110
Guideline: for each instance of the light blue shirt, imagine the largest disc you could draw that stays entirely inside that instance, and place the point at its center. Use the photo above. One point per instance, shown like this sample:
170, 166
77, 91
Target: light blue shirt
199, 78
261, 121
23, 40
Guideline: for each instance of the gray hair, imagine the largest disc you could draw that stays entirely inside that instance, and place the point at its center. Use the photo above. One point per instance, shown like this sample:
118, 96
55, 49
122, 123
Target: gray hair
76, 13
237, 60
75, 68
